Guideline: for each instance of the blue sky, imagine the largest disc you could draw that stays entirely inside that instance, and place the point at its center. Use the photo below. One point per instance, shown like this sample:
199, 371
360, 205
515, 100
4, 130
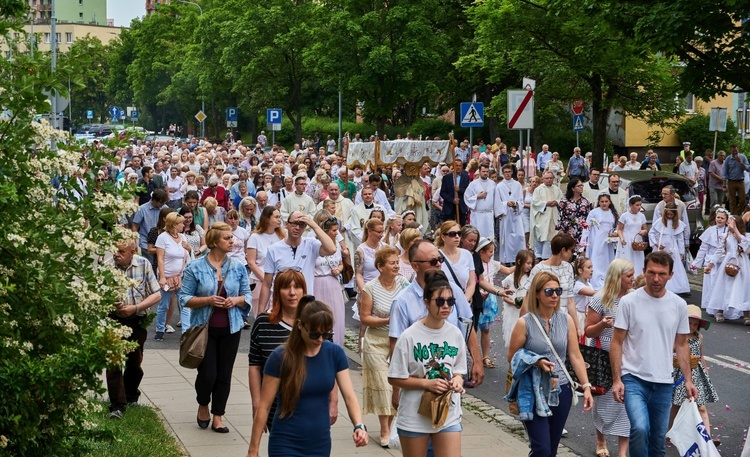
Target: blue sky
123, 11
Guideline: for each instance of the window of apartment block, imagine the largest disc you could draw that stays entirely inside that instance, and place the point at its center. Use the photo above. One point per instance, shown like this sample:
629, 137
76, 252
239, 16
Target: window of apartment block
690, 102
47, 37
58, 37
80, 2
68, 37
80, 15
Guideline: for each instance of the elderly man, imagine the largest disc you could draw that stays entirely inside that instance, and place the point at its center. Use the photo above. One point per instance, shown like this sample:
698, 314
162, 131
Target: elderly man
408, 307
576, 165
543, 157
616, 195
716, 180
346, 182
142, 293
296, 252
734, 170
689, 169
508, 207
480, 199
298, 201
544, 215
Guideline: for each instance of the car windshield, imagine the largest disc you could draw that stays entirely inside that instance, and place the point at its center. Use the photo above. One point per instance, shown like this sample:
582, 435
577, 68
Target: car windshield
650, 190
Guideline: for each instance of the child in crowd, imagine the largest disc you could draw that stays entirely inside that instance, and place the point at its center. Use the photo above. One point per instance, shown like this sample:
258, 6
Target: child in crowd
582, 291
516, 284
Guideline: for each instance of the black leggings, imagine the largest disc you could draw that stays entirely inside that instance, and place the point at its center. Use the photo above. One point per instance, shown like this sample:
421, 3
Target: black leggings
214, 378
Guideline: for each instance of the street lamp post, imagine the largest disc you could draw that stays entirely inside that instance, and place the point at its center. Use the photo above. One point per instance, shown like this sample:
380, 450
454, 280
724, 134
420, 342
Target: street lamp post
203, 98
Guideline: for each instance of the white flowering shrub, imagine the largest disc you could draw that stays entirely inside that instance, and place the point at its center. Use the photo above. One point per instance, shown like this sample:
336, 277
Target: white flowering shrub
55, 337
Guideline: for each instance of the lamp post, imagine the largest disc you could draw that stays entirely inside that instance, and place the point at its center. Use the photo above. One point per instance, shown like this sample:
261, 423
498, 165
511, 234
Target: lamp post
203, 99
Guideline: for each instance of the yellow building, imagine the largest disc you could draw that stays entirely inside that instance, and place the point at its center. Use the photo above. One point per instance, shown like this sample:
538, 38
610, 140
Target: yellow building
67, 33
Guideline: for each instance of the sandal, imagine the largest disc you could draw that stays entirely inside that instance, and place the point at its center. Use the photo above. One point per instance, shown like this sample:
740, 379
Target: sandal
719, 316
488, 363
602, 453
747, 321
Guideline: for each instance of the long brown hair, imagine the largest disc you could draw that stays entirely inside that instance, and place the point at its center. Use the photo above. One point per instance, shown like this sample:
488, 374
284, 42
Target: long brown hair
263, 223
284, 280
523, 256
316, 316
444, 228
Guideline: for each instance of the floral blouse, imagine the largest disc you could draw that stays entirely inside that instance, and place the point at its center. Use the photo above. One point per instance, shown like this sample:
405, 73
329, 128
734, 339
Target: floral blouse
573, 216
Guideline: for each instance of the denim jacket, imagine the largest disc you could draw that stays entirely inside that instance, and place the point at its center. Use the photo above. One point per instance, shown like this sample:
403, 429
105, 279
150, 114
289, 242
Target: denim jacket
530, 385
199, 280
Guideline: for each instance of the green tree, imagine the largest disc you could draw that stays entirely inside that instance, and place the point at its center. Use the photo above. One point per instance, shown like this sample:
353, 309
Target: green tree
695, 130
710, 38
55, 338
91, 56
572, 51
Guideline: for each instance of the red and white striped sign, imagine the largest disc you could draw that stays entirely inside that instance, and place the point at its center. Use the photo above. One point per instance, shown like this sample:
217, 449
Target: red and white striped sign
520, 109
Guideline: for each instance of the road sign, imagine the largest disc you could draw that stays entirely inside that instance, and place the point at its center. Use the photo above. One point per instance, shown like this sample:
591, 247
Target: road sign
122, 115
134, 114
114, 113
232, 116
276, 127
520, 109
89, 114
273, 116
577, 106
529, 84
472, 114
578, 122
231, 124
201, 116
718, 121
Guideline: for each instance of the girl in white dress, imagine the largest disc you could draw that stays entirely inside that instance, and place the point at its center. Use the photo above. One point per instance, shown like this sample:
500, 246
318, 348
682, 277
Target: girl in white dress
582, 291
601, 221
393, 230
632, 227
710, 252
516, 285
667, 234
730, 298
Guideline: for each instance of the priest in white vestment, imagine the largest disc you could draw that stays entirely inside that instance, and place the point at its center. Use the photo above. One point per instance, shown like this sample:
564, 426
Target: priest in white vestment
298, 201
509, 209
544, 215
359, 215
480, 199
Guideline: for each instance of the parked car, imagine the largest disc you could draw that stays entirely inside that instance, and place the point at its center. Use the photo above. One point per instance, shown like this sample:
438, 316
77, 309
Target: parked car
101, 130
648, 184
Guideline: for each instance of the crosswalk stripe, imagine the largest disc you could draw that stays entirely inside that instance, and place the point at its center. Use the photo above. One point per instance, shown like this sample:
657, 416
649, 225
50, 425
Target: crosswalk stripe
724, 364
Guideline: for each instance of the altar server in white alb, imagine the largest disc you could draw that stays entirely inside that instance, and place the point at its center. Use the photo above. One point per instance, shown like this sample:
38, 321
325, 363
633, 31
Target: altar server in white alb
509, 209
601, 220
479, 198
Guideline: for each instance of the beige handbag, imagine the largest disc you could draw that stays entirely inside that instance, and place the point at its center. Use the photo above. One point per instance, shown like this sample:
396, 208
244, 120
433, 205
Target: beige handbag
435, 406
194, 341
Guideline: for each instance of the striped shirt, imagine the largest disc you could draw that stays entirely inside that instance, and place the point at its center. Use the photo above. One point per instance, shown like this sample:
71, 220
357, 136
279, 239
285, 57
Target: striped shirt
558, 334
145, 282
264, 338
382, 299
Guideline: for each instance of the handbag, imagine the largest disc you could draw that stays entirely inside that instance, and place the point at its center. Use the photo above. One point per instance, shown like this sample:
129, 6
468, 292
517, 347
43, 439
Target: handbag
464, 323
598, 367
194, 341
573, 384
435, 406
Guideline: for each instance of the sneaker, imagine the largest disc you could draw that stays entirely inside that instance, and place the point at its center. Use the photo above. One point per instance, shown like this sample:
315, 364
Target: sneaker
169, 329
134, 404
179, 323
565, 432
116, 414
159, 336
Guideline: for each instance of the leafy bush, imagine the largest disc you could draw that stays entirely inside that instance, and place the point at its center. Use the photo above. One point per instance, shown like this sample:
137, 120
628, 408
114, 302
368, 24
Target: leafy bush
695, 130
55, 338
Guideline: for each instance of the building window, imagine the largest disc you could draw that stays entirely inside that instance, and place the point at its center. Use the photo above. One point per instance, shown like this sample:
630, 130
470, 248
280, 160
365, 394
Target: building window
58, 37
80, 15
68, 37
47, 37
80, 2
689, 101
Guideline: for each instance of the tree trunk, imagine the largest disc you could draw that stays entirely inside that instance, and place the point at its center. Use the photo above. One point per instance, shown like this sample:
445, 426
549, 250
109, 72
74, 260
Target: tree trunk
600, 116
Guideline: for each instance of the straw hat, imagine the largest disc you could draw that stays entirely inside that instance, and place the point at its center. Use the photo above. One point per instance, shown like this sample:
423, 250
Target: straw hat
695, 312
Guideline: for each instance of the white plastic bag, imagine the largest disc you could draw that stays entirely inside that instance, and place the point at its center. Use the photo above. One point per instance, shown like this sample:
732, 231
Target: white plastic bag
746, 449
689, 434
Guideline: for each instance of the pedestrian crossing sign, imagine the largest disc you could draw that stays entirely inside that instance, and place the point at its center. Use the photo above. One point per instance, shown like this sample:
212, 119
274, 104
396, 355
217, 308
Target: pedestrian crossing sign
472, 114
578, 122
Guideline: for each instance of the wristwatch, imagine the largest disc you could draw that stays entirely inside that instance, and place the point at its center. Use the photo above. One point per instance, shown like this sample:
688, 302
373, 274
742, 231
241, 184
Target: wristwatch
359, 427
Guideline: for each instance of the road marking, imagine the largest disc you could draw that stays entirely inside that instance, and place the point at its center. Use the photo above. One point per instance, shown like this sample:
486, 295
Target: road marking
733, 360
724, 364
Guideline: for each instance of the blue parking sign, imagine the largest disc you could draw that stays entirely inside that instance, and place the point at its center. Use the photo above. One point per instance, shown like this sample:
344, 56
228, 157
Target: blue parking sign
273, 116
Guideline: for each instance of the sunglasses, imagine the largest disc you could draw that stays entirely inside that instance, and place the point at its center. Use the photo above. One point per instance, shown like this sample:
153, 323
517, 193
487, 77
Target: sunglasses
434, 262
440, 302
549, 291
316, 335
300, 224
452, 234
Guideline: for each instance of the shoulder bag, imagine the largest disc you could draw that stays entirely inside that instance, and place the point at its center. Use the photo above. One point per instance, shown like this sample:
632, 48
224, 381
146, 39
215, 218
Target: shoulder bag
598, 367
194, 341
574, 385
464, 324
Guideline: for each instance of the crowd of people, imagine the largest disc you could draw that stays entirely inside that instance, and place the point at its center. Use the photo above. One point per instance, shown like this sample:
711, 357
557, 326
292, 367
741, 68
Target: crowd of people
279, 241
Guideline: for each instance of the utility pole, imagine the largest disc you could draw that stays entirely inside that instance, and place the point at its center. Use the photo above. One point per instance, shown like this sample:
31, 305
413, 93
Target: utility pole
53, 48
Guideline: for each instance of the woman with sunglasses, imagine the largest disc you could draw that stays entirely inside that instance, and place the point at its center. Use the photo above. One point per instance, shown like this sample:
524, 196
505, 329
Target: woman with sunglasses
543, 304
430, 356
459, 263
303, 373
327, 270
215, 288
271, 330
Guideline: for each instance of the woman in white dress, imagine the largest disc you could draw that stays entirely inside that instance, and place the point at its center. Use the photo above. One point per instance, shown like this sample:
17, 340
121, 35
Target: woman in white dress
730, 299
710, 253
601, 221
267, 232
667, 234
364, 263
632, 227
328, 288
517, 285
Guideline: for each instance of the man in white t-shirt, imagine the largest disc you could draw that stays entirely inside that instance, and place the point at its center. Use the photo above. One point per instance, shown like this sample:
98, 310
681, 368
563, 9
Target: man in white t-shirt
651, 323
296, 253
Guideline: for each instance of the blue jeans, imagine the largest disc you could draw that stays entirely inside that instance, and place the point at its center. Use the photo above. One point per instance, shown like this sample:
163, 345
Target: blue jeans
545, 432
161, 310
647, 404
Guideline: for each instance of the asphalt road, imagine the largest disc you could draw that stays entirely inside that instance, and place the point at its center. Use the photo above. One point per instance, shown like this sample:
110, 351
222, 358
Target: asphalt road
727, 356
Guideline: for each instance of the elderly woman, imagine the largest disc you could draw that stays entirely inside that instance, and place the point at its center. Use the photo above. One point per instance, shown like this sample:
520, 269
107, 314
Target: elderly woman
215, 288
247, 209
633, 163
556, 166
377, 297
214, 190
215, 212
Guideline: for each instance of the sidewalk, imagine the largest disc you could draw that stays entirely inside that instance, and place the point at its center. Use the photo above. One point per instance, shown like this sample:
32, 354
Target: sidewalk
169, 387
